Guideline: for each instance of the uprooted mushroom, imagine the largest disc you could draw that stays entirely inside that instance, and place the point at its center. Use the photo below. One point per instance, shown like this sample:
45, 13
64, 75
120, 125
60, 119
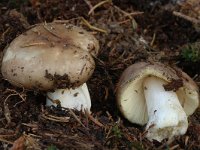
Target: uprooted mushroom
53, 57
159, 96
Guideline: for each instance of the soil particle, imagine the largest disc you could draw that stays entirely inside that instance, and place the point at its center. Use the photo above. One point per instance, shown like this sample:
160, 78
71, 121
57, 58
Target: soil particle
60, 82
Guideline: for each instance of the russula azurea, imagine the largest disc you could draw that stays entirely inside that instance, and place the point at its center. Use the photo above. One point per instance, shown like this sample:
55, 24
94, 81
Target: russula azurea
159, 96
53, 57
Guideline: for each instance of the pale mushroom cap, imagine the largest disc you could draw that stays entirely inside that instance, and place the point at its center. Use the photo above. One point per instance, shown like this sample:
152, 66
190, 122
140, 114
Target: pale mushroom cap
50, 56
130, 95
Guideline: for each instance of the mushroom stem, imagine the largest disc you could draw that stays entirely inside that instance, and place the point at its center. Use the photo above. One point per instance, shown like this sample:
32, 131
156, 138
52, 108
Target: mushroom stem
166, 115
78, 99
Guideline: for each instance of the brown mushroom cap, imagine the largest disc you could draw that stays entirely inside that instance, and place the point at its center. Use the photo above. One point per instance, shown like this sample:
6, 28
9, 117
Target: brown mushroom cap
130, 95
50, 56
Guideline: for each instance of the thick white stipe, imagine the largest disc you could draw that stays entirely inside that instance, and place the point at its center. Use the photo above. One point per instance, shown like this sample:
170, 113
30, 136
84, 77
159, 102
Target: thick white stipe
77, 99
166, 115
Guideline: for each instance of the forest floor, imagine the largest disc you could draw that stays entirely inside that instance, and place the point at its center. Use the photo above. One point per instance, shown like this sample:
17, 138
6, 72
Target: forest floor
128, 31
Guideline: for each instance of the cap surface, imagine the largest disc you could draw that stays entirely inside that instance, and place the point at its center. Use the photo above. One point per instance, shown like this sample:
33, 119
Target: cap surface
130, 90
50, 56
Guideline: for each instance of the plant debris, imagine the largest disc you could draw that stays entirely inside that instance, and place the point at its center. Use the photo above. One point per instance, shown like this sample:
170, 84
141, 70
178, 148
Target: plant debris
128, 31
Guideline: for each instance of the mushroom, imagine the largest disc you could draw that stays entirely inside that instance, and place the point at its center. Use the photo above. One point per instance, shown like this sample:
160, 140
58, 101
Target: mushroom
56, 58
159, 96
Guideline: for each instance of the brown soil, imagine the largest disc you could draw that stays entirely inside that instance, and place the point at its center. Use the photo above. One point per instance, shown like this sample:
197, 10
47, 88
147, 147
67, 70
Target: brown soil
150, 33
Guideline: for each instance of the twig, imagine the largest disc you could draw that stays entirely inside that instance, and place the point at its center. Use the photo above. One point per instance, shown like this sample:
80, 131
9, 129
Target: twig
118, 59
126, 14
109, 116
186, 140
33, 44
84, 21
165, 144
30, 125
143, 134
66, 21
129, 58
99, 60
106, 93
92, 119
89, 5
6, 108
108, 133
153, 40
31, 142
98, 5
75, 117
33, 135
7, 135
135, 13
5, 141
174, 147
92, 27
55, 118
191, 19
134, 23
125, 21
4, 33
49, 30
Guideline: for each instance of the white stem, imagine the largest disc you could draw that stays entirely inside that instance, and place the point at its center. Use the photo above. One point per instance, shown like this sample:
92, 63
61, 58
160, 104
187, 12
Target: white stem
78, 99
166, 115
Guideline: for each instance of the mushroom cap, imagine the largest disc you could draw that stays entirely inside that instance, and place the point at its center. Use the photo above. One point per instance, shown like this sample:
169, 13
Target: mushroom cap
130, 90
50, 56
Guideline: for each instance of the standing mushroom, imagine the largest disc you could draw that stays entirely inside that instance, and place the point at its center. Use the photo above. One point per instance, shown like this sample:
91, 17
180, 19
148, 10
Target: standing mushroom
53, 57
159, 96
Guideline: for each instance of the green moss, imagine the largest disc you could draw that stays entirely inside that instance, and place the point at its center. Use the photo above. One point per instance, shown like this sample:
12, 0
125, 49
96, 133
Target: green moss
51, 147
191, 52
116, 131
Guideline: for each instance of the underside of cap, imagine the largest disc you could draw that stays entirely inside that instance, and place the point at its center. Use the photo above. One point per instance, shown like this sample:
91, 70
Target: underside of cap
130, 96
131, 102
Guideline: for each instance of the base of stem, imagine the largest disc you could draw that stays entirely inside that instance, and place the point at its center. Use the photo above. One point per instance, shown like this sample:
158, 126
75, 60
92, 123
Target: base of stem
78, 99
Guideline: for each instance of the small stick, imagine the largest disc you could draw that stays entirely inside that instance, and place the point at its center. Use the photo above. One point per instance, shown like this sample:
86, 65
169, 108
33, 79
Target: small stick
75, 117
106, 93
55, 118
89, 5
92, 27
125, 21
99, 60
98, 5
66, 21
92, 119
165, 144
6, 141
30, 125
33, 44
108, 133
124, 12
17, 94
135, 13
4, 33
153, 40
191, 19
134, 23
32, 142
49, 30
174, 147
109, 116
7, 110
186, 140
